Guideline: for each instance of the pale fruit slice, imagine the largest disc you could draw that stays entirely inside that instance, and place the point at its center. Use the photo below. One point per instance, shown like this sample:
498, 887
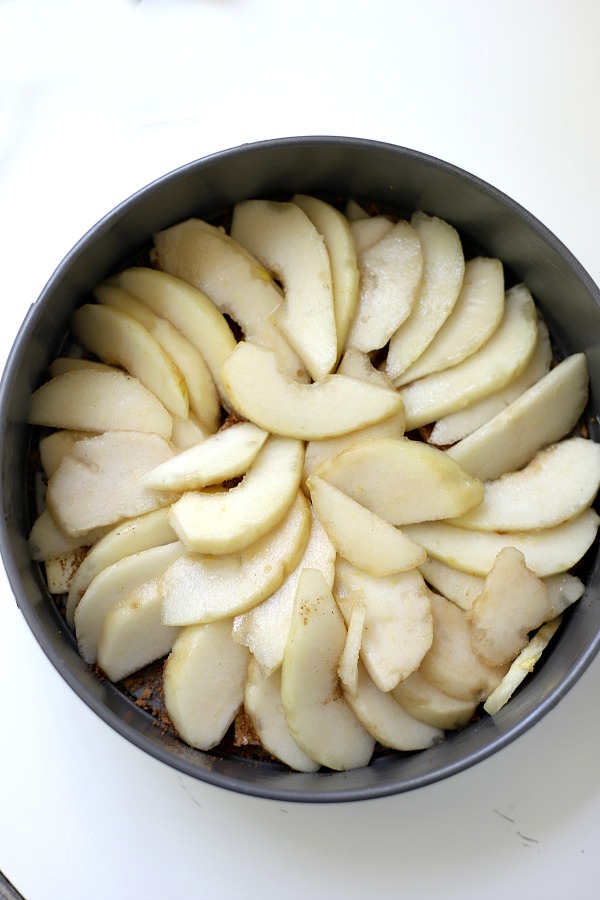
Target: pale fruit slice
53, 447
188, 309
287, 243
501, 359
398, 626
188, 432
559, 483
319, 718
139, 533
226, 521
429, 704
202, 393
99, 480
350, 658
199, 588
262, 702
476, 315
363, 538
354, 211
111, 585
98, 401
61, 570
522, 666
264, 394
47, 540
455, 426
542, 415
234, 280
443, 272
386, 720
390, 277
118, 339
204, 681
547, 552
418, 484
333, 227
368, 230
63, 364
356, 365
227, 454
132, 634
451, 664
513, 602
265, 628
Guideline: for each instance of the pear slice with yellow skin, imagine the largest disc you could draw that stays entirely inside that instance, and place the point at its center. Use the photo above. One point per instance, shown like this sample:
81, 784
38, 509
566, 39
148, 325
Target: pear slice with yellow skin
497, 362
443, 273
204, 681
262, 702
429, 704
111, 585
318, 716
350, 658
99, 401
236, 282
118, 339
261, 392
547, 551
227, 454
363, 538
559, 483
188, 309
545, 413
199, 588
390, 277
202, 393
230, 520
333, 226
287, 243
476, 315
418, 484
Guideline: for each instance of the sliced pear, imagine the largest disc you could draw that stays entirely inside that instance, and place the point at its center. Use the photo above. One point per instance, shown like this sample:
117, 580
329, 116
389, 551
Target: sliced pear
350, 658
233, 279
118, 339
264, 394
559, 483
63, 364
451, 664
460, 587
418, 484
501, 359
390, 277
398, 625
188, 432
53, 447
513, 602
139, 533
368, 230
476, 315
199, 588
262, 702
455, 426
333, 227
386, 720
363, 538
542, 415
227, 521
61, 570
265, 628
227, 454
287, 243
521, 667
429, 704
111, 585
443, 273
99, 481
202, 393
318, 717
98, 401
47, 540
204, 681
547, 551
132, 634
188, 309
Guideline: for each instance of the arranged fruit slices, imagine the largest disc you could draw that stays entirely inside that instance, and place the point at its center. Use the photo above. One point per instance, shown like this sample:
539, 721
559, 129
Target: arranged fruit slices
322, 465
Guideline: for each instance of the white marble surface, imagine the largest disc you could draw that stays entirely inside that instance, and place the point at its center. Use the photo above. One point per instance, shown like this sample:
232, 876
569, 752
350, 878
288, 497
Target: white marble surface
97, 97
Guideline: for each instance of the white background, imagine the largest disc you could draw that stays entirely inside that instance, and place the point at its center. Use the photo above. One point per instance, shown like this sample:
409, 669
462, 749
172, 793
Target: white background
98, 98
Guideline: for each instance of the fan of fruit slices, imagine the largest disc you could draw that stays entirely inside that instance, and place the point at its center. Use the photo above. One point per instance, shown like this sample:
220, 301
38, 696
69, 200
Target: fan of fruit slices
327, 468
